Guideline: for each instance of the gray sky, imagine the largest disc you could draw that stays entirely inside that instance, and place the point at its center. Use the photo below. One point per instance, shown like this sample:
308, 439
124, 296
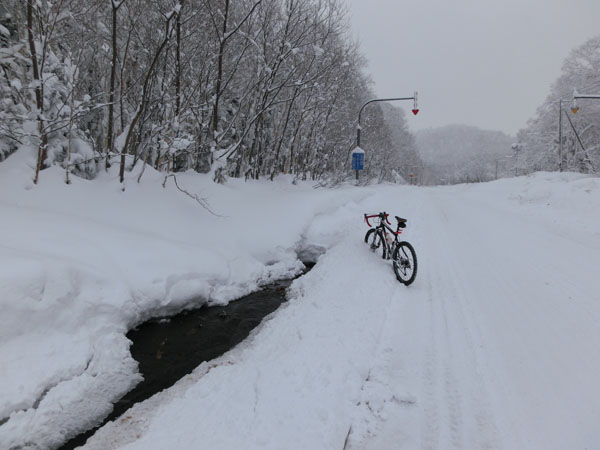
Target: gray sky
484, 63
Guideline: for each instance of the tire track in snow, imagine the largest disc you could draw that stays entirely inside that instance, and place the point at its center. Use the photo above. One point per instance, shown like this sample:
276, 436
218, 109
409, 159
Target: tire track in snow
452, 383
388, 403
375, 391
499, 301
417, 355
436, 412
539, 319
434, 354
431, 347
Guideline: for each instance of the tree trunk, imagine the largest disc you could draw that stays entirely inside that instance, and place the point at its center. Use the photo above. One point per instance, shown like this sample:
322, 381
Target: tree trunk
178, 67
285, 125
39, 96
144, 100
223, 40
113, 76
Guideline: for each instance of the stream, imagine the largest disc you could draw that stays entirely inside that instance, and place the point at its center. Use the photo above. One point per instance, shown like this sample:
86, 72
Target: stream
169, 348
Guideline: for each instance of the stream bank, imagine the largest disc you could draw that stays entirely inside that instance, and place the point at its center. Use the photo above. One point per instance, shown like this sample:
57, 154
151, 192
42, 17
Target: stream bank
168, 348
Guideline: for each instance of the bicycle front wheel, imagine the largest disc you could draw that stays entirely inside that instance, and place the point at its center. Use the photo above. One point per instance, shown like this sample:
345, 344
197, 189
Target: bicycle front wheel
374, 238
405, 263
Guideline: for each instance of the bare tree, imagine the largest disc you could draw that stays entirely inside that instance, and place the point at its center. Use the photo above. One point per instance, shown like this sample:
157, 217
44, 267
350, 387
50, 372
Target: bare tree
39, 94
145, 91
224, 35
115, 5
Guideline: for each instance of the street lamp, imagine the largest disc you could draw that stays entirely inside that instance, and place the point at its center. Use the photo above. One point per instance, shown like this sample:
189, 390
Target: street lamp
358, 153
576, 96
415, 110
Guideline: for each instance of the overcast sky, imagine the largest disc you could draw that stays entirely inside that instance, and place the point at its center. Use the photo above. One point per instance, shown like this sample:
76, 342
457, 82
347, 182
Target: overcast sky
487, 63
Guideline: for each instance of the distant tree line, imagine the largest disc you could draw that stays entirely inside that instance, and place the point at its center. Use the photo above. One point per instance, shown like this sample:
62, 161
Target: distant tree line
245, 88
464, 154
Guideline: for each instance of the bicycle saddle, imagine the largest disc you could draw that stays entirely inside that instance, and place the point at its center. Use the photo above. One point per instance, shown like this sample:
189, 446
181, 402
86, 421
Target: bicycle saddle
401, 222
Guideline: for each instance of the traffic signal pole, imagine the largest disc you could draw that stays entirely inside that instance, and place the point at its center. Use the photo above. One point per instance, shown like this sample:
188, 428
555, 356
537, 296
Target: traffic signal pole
414, 110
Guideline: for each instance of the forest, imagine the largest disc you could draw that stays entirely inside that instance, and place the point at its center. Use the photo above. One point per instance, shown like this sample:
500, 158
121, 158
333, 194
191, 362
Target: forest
557, 138
247, 89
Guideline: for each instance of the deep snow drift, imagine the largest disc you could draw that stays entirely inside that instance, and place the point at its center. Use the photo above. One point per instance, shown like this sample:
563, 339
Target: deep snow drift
494, 346
81, 264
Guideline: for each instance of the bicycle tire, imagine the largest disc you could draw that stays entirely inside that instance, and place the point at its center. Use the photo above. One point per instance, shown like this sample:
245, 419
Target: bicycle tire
376, 242
405, 263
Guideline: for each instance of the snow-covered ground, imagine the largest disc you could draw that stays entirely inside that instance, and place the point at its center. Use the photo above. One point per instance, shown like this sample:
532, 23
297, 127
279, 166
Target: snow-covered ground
495, 345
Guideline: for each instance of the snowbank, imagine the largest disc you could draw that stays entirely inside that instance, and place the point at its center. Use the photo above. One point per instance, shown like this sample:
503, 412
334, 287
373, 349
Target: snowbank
83, 263
492, 347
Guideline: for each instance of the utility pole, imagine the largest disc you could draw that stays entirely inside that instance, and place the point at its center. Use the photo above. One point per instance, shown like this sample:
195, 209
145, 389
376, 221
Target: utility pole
560, 141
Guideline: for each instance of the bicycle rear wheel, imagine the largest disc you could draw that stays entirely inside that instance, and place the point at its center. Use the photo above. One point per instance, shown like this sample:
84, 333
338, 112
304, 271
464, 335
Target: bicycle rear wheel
374, 238
405, 263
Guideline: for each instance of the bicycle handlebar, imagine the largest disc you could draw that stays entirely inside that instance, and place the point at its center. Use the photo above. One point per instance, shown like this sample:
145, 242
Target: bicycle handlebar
381, 215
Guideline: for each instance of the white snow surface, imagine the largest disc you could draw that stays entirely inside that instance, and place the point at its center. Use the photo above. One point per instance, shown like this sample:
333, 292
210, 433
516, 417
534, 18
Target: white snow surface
494, 346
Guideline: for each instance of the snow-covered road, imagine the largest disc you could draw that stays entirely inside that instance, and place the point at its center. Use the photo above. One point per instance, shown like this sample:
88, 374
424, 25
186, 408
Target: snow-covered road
494, 346
498, 342
517, 325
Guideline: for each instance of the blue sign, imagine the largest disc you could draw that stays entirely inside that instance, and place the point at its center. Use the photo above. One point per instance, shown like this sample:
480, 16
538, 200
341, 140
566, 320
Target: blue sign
358, 161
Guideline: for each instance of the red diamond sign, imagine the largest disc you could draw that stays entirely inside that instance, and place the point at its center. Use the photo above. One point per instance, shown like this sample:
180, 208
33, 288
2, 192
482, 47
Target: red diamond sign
415, 111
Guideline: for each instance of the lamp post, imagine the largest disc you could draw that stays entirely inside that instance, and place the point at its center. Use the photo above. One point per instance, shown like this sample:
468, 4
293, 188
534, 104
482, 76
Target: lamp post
357, 160
560, 114
415, 110
576, 96
560, 140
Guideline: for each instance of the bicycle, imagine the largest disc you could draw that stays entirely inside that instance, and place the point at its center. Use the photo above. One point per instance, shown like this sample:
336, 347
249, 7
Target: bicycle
401, 253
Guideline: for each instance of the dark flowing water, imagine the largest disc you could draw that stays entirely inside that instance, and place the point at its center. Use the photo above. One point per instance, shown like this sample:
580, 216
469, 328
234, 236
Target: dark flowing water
167, 349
